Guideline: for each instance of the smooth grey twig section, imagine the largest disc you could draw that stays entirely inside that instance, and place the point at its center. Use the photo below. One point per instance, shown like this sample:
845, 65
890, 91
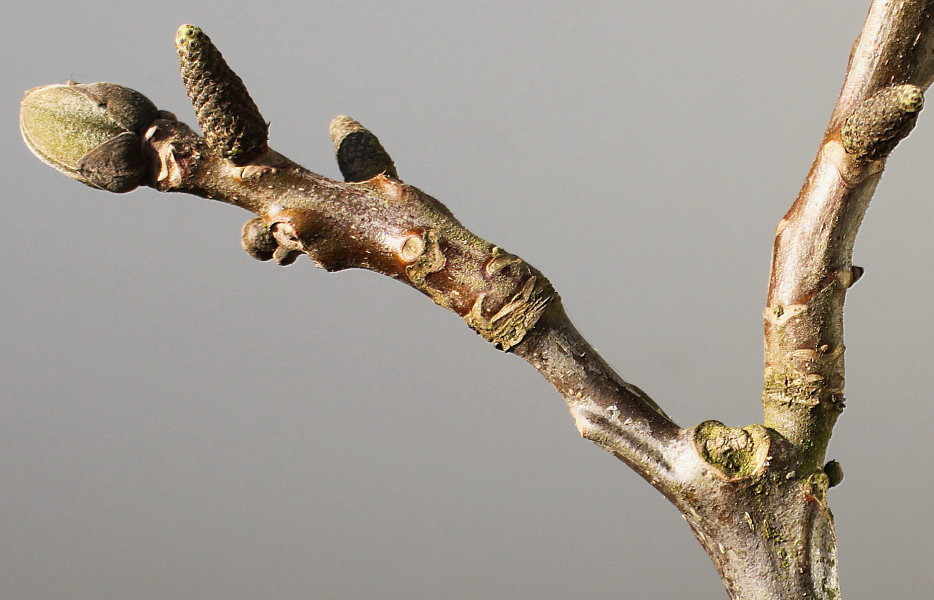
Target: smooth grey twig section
607, 410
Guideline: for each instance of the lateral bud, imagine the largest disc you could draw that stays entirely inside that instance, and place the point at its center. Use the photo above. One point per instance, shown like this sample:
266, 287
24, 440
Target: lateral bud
834, 473
232, 124
856, 273
257, 240
360, 156
880, 122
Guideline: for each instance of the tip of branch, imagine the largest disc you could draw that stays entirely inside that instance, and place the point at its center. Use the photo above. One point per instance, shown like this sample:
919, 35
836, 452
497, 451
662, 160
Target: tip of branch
360, 156
89, 132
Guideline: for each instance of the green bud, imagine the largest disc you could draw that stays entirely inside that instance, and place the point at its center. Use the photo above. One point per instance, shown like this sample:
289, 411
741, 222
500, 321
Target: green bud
63, 123
879, 123
232, 124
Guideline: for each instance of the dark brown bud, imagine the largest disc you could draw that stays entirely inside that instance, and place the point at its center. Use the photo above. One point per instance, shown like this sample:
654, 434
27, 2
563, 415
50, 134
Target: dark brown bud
834, 473
360, 156
117, 165
129, 109
856, 274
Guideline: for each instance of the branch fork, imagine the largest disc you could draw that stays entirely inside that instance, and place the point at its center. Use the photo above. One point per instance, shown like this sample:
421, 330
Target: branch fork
755, 497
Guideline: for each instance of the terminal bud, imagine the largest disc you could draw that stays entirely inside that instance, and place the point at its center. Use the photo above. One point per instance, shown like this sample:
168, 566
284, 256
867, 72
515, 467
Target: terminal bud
89, 132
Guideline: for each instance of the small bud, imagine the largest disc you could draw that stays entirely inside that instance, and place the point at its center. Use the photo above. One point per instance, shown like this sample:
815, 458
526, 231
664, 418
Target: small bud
63, 124
856, 274
880, 122
360, 156
257, 240
834, 473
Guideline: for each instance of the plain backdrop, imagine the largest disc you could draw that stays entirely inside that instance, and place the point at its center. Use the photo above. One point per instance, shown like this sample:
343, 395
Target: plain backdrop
179, 421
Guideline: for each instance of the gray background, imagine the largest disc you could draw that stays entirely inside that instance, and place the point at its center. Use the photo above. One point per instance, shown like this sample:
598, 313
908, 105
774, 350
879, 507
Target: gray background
180, 421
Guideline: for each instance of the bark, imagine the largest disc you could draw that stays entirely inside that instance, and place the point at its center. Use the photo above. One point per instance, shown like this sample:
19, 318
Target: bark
755, 497
891, 63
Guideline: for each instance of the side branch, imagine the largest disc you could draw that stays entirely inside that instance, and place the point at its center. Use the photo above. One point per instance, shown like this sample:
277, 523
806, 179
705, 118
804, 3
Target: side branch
394, 229
112, 137
890, 66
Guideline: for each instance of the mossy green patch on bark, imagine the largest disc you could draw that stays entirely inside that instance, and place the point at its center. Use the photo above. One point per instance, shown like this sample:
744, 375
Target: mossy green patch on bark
735, 453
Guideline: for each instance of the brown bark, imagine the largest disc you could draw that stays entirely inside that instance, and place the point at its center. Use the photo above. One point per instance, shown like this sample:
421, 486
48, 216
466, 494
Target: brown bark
755, 497
891, 62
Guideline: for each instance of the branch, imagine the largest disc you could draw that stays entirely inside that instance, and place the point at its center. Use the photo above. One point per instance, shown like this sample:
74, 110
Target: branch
891, 64
607, 410
755, 497
372, 221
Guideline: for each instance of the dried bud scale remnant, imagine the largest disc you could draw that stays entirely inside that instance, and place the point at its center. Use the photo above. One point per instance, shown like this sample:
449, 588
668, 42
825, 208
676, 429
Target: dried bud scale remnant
232, 124
517, 317
284, 257
880, 122
360, 156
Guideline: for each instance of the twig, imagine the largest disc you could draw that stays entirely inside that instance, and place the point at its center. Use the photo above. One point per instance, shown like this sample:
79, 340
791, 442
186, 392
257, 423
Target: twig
891, 64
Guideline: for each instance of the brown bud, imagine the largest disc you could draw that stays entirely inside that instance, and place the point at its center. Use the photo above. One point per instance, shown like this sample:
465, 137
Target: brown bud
127, 108
360, 156
834, 473
257, 240
856, 274
117, 165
